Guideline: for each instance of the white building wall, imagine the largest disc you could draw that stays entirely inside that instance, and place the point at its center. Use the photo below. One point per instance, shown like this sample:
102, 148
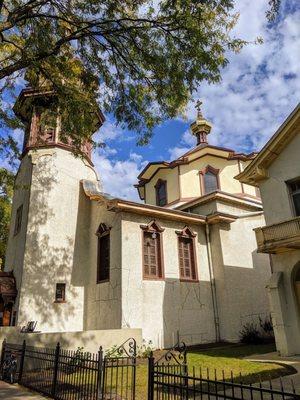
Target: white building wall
16, 243
52, 239
241, 276
103, 300
274, 191
278, 207
169, 309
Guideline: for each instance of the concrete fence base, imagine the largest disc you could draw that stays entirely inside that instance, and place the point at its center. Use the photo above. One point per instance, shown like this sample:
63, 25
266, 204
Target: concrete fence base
89, 340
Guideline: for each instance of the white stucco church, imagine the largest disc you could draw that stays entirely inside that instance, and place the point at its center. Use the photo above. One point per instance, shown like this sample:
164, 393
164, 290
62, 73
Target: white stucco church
182, 265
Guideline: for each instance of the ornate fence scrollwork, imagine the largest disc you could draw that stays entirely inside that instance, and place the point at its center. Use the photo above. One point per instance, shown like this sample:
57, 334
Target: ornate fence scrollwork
119, 372
127, 349
175, 355
162, 373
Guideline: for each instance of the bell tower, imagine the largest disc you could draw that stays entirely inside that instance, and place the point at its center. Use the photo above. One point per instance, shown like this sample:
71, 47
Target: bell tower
37, 109
201, 127
49, 230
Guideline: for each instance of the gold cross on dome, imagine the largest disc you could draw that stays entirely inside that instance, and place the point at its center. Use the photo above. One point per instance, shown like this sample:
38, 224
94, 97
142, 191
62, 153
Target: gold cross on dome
198, 107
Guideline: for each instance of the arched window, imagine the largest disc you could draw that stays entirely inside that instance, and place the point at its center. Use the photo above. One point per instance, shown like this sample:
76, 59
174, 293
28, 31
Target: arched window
103, 258
161, 193
209, 178
152, 251
187, 255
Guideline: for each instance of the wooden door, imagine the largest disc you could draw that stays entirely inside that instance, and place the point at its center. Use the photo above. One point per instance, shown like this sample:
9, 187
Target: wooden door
7, 315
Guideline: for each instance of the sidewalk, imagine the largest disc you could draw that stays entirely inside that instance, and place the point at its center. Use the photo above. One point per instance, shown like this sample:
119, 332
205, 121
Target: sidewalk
16, 392
293, 361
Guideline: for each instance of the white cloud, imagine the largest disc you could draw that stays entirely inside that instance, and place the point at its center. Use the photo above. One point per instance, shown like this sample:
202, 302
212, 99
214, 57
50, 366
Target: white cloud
118, 177
260, 86
136, 157
108, 132
186, 143
176, 152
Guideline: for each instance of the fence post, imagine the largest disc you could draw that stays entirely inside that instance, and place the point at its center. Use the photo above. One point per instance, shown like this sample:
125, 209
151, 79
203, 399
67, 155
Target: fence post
22, 361
55, 372
186, 375
99, 373
151, 377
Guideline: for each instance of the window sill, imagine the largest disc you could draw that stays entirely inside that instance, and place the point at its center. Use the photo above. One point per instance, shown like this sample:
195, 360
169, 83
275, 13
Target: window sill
153, 279
189, 280
59, 301
104, 281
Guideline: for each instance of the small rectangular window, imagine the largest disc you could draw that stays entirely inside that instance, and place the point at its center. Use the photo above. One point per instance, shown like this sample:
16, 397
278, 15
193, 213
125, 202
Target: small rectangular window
60, 293
18, 220
161, 193
187, 265
295, 195
103, 258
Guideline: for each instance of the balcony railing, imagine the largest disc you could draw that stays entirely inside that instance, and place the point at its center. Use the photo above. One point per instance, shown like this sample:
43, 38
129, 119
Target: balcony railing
279, 237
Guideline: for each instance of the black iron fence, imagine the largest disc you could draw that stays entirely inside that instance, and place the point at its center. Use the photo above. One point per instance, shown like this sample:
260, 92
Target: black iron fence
170, 379
69, 375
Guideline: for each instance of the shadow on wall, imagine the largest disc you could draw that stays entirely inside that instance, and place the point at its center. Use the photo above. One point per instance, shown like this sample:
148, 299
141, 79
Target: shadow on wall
243, 296
49, 251
81, 261
188, 313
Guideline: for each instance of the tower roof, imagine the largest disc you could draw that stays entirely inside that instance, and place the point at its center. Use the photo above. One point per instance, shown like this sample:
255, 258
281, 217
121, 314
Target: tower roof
201, 127
27, 98
43, 130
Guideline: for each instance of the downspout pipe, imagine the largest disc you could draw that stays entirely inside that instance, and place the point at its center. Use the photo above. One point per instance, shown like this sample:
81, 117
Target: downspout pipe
212, 283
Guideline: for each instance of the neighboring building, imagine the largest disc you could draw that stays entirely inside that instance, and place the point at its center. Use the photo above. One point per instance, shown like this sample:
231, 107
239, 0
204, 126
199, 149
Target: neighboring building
183, 266
276, 171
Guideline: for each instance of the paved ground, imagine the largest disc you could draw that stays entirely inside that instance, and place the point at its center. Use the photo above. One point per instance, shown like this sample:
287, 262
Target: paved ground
16, 392
290, 361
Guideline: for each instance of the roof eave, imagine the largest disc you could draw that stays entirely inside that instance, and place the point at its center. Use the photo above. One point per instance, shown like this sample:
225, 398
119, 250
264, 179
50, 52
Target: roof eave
118, 205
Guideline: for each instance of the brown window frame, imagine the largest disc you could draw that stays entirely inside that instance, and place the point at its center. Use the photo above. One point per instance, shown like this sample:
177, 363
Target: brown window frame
188, 234
153, 228
18, 220
158, 185
202, 173
103, 234
63, 289
292, 193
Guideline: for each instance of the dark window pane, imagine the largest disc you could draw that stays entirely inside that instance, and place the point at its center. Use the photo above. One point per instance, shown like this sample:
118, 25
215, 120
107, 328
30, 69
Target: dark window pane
103, 258
18, 221
295, 194
161, 194
60, 293
210, 182
296, 200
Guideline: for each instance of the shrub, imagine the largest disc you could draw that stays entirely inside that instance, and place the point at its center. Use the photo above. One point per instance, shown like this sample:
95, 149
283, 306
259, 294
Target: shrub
250, 334
113, 352
267, 327
145, 349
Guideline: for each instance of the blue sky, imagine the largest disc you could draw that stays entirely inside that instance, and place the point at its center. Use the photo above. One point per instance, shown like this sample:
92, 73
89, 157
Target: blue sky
260, 87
